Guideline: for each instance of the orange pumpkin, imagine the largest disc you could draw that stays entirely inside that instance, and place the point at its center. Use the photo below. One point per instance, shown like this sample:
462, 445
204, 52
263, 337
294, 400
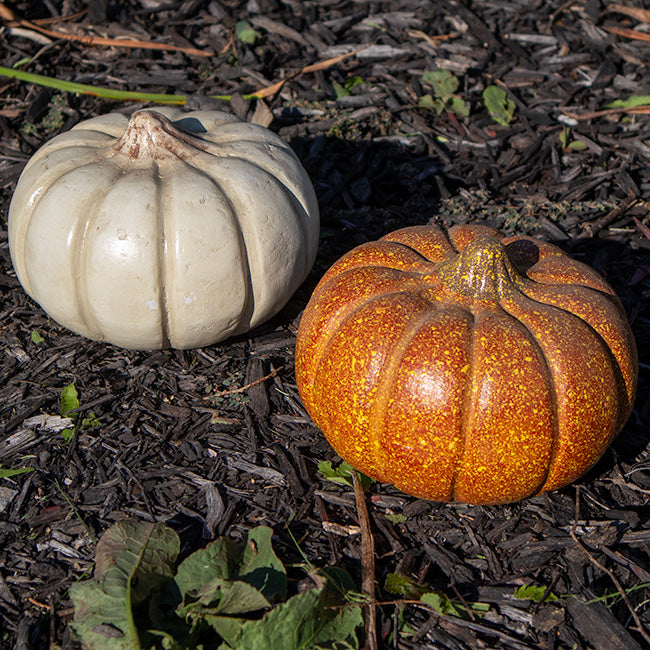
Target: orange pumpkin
466, 366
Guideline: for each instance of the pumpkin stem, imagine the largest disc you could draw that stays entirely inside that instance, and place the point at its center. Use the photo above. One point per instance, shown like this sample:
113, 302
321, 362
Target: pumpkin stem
481, 270
150, 135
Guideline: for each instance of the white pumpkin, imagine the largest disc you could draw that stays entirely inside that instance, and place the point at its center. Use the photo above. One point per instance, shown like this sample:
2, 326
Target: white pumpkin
165, 229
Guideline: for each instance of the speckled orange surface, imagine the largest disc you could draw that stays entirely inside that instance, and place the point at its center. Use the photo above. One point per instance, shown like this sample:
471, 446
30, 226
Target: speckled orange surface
465, 365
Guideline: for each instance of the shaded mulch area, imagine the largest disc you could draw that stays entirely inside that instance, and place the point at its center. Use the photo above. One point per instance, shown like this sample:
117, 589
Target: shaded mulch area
168, 449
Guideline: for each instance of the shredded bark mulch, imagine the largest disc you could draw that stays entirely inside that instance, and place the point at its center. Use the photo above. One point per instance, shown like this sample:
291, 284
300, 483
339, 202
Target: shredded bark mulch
169, 438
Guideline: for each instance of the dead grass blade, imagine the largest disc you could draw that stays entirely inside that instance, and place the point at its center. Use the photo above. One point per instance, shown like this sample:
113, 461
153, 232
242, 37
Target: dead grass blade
6, 13
628, 33
632, 110
434, 40
642, 15
13, 21
642, 227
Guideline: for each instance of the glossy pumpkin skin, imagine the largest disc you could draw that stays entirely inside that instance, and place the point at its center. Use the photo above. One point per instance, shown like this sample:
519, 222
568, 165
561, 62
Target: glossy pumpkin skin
466, 366
168, 229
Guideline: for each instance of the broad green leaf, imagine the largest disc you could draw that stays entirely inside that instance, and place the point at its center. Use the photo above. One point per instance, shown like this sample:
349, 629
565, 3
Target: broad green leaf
36, 337
140, 555
459, 106
577, 145
69, 400
535, 593
134, 559
439, 602
245, 33
631, 102
317, 618
225, 597
426, 101
231, 578
217, 560
260, 566
443, 82
7, 473
500, 107
343, 474
102, 621
67, 434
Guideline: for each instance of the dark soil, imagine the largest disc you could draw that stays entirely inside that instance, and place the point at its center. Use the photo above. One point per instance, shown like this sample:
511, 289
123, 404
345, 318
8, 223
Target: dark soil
563, 170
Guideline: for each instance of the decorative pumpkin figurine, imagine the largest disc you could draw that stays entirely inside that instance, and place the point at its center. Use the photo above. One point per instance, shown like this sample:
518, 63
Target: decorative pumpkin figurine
466, 366
165, 229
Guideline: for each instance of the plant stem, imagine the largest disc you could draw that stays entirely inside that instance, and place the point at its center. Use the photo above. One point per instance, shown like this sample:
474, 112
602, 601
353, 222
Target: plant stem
367, 564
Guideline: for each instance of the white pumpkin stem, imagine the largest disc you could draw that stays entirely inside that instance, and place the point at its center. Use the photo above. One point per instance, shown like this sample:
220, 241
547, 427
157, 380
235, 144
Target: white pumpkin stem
151, 136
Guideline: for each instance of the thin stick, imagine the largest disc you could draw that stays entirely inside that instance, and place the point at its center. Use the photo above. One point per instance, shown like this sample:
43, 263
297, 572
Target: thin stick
640, 628
313, 67
632, 110
367, 564
241, 389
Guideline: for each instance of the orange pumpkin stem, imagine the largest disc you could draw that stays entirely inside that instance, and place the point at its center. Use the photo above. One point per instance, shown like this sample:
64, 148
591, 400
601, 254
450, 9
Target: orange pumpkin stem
480, 271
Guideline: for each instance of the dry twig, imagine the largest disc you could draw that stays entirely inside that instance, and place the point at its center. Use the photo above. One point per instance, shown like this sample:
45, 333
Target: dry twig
367, 564
12, 21
241, 389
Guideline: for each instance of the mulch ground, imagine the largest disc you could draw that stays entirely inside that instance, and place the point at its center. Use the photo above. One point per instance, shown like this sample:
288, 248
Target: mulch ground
168, 449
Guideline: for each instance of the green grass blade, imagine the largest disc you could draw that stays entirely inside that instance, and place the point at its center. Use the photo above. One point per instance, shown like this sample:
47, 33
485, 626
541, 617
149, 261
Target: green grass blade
95, 91
106, 93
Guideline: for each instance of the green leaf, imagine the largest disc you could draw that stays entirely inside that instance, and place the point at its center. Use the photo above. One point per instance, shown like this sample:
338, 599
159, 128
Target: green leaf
69, 400
343, 474
216, 560
568, 143
536, 593
134, 559
440, 603
67, 435
36, 337
500, 107
245, 33
565, 137
260, 566
459, 106
339, 90
443, 82
91, 422
399, 584
226, 579
318, 618
396, 518
631, 102
426, 101
8, 473
343, 90
224, 597
577, 145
